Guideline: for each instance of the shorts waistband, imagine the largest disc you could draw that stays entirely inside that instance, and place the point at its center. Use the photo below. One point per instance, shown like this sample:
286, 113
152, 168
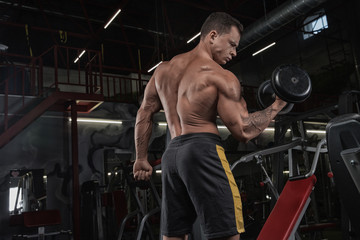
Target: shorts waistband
196, 137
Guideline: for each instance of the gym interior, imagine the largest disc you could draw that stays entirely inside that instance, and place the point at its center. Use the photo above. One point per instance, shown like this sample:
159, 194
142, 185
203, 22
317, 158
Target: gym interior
73, 74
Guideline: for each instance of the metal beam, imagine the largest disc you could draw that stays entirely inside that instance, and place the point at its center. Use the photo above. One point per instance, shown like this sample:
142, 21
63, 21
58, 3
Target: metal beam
75, 172
132, 58
78, 35
168, 24
87, 17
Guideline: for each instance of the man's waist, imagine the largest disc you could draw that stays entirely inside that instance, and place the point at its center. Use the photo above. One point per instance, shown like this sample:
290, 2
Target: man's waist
197, 136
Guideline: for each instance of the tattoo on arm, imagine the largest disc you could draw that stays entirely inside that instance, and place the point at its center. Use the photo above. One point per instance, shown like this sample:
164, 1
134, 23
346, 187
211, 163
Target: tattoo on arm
260, 120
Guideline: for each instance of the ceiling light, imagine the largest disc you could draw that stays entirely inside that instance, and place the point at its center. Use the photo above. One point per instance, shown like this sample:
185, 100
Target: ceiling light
191, 39
154, 66
77, 59
112, 18
263, 49
3, 47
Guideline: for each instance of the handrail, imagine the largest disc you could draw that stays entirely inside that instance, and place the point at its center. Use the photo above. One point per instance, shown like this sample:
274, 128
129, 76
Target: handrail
249, 157
295, 144
319, 149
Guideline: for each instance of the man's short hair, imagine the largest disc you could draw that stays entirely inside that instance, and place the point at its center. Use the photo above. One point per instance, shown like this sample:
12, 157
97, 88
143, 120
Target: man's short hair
221, 22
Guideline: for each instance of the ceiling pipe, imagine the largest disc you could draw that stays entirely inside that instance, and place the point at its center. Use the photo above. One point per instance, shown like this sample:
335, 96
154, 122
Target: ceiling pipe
276, 19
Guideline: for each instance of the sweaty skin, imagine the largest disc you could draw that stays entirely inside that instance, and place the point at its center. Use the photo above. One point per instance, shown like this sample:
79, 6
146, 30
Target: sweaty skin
193, 89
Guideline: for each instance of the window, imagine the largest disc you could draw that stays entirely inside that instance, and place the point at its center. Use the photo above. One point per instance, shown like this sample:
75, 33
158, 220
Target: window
314, 24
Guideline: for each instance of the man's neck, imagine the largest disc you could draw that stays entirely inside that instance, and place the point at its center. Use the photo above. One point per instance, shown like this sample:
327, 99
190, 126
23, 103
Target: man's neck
204, 49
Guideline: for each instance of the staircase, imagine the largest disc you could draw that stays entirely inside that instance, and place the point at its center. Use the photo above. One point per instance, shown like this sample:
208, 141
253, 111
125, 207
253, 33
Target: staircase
28, 87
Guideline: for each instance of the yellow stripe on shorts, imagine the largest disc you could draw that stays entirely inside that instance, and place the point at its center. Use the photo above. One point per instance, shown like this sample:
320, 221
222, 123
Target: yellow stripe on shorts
234, 190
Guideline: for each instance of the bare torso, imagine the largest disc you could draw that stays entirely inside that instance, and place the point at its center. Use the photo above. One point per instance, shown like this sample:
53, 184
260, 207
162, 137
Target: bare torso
193, 89
186, 88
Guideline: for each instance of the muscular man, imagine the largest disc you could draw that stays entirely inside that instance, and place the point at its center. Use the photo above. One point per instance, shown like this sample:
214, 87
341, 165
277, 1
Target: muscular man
193, 89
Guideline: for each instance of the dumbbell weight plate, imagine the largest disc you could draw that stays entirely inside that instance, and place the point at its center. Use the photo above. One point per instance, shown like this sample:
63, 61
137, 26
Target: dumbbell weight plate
291, 83
266, 96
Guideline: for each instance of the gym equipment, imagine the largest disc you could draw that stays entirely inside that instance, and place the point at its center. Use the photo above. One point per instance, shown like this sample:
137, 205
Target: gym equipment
292, 203
32, 214
289, 82
91, 212
140, 211
39, 220
351, 159
266, 96
349, 102
343, 134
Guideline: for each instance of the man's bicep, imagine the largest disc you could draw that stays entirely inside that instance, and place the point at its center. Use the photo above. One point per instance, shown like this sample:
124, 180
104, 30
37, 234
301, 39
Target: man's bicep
233, 114
228, 110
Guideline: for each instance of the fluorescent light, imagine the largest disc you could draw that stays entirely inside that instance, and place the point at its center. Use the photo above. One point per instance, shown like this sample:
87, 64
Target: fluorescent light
165, 124
273, 129
191, 39
316, 131
77, 59
112, 19
315, 123
99, 120
158, 171
289, 130
155, 66
263, 49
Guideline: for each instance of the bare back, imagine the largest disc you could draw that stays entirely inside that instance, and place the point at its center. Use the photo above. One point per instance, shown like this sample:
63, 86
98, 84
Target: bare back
193, 89
188, 95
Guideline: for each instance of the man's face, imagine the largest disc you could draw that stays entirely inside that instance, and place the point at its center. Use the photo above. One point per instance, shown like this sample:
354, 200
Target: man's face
224, 48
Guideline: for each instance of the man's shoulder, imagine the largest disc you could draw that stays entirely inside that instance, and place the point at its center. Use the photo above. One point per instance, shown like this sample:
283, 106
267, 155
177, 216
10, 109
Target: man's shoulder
221, 74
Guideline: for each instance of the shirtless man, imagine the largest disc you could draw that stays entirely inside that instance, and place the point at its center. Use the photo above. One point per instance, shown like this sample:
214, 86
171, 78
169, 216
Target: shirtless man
193, 89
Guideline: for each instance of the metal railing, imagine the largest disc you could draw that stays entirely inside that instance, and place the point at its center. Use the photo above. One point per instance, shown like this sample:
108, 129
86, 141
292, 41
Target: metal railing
56, 70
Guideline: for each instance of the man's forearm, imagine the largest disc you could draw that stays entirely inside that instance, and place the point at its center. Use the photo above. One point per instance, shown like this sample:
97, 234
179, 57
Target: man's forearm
259, 120
143, 129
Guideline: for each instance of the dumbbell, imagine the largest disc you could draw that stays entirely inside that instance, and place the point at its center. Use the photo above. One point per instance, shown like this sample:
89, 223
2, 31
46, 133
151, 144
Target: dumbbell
289, 82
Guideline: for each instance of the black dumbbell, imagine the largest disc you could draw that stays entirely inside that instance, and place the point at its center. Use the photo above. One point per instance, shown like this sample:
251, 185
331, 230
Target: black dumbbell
290, 83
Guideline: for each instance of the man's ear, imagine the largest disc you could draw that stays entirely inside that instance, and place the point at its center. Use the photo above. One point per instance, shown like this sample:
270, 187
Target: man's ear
213, 35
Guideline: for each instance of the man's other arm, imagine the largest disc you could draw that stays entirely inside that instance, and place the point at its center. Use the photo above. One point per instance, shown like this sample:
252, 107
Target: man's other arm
232, 109
143, 128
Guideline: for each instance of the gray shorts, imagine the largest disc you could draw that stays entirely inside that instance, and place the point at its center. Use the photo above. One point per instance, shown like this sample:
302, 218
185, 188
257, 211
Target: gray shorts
197, 182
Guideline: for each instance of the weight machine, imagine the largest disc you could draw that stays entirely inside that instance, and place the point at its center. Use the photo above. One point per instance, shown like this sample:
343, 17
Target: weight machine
292, 203
343, 148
